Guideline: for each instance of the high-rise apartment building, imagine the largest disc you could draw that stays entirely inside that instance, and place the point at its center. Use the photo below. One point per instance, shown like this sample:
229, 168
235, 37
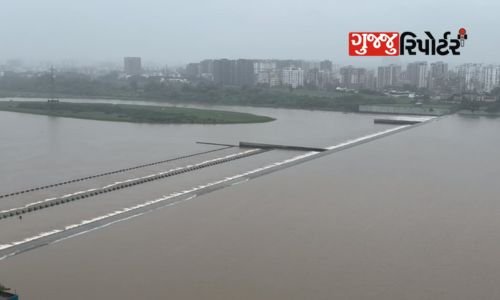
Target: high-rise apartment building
132, 65
353, 78
293, 77
490, 77
417, 74
388, 76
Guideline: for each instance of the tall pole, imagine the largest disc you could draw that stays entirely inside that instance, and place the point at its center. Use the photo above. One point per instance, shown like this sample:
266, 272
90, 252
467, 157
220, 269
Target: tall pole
52, 85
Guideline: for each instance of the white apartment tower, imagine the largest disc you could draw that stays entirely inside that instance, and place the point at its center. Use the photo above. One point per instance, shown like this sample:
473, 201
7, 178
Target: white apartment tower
490, 77
293, 77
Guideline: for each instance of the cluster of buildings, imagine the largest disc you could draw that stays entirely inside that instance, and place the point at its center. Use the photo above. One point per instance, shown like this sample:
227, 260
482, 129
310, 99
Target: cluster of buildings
436, 77
480, 78
271, 73
416, 75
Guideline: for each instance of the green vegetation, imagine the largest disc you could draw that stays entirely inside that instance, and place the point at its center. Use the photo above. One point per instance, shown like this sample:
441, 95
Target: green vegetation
279, 97
132, 113
3, 288
495, 107
478, 107
470, 105
72, 85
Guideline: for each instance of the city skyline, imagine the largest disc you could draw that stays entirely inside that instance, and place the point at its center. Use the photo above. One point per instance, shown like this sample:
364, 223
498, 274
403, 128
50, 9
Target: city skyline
147, 63
437, 78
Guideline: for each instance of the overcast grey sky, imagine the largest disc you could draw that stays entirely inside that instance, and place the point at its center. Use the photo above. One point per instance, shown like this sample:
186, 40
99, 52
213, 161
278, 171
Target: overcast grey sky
190, 30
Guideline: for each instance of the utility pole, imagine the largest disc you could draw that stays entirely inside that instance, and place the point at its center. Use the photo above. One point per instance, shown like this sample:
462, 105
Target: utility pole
52, 97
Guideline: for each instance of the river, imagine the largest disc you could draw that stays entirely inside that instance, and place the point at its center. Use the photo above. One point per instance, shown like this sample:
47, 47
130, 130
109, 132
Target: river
414, 215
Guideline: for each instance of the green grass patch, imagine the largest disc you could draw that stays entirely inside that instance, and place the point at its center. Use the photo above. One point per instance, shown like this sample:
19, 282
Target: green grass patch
132, 113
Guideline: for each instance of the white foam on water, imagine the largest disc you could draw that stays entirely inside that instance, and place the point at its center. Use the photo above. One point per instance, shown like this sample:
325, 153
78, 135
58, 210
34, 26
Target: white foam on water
130, 180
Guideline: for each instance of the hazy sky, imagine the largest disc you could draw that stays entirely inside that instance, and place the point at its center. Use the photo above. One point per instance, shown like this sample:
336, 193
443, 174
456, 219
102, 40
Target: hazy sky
190, 30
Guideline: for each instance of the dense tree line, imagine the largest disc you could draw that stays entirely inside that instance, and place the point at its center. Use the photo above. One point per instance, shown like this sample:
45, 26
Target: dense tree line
78, 85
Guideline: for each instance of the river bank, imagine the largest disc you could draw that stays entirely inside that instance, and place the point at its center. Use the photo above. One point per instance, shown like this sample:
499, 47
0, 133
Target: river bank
313, 104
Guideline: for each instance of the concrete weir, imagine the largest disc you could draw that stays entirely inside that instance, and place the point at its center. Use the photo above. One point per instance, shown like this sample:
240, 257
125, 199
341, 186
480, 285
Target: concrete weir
403, 120
47, 203
282, 147
396, 121
111, 173
47, 238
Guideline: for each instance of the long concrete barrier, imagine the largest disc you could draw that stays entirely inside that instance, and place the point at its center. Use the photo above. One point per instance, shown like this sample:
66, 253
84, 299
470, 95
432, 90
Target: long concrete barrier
47, 238
277, 146
396, 121
47, 203
111, 172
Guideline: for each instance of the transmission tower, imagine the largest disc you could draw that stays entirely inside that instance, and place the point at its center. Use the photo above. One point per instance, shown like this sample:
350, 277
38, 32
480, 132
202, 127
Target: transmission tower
52, 92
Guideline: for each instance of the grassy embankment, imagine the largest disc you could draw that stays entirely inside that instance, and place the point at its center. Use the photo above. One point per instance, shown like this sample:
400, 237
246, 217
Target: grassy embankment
132, 113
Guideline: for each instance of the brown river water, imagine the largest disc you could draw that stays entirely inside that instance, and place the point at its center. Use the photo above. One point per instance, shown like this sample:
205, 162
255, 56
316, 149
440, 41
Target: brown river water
414, 215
